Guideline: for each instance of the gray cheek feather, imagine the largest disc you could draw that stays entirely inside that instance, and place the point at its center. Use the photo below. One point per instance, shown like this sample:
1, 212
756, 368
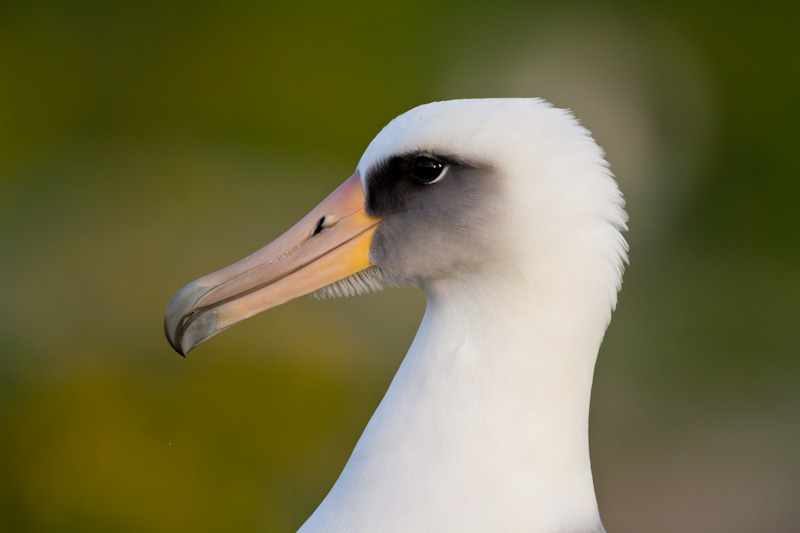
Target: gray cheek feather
444, 229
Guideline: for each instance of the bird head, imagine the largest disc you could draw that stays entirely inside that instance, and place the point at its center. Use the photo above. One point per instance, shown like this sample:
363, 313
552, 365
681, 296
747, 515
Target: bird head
463, 189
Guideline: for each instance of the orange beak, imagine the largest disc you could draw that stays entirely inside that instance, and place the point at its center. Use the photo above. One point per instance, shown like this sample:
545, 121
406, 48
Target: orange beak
332, 242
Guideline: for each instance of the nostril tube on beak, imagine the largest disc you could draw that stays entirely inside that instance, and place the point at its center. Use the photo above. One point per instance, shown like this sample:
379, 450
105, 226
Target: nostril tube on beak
325, 222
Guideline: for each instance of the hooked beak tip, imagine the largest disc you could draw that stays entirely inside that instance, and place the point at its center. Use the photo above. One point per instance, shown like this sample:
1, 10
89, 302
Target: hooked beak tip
171, 338
177, 322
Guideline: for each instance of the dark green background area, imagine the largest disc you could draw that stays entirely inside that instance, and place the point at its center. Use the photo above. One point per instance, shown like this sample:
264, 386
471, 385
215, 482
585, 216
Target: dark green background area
145, 144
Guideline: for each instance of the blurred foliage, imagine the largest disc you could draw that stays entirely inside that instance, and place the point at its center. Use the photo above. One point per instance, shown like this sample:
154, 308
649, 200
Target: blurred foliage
143, 145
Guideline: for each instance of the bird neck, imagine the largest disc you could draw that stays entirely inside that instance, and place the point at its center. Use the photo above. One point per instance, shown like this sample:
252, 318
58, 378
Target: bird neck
520, 361
485, 425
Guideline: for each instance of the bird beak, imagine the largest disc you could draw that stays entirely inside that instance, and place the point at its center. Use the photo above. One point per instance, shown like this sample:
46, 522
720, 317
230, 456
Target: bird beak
329, 244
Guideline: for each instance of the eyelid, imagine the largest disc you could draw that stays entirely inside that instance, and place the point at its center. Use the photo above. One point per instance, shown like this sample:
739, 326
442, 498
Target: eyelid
445, 167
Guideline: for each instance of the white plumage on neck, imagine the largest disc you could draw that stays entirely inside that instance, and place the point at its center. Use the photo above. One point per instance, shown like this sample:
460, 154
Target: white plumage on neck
484, 427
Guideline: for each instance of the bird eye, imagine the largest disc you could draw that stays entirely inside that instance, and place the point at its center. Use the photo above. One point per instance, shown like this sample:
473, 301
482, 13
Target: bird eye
426, 170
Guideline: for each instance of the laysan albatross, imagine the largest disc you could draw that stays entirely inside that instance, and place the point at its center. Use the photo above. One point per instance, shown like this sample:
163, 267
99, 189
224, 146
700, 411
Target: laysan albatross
505, 213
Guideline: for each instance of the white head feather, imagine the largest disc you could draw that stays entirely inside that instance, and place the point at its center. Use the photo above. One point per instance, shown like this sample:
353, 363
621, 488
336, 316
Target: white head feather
484, 428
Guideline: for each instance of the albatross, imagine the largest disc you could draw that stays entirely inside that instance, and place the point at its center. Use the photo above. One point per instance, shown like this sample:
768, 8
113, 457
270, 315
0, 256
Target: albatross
505, 213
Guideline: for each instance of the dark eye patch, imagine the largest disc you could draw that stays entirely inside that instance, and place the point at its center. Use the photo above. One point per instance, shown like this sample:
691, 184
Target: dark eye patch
389, 185
395, 182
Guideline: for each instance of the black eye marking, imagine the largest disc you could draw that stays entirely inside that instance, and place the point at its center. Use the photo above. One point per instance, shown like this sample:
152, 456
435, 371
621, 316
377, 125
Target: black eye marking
392, 183
427, 170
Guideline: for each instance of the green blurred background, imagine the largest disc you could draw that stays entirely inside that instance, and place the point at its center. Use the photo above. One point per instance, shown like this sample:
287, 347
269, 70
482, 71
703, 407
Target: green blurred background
145, 144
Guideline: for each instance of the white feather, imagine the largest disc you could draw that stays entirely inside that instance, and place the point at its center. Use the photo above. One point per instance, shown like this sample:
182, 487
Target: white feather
485, 425
363, 282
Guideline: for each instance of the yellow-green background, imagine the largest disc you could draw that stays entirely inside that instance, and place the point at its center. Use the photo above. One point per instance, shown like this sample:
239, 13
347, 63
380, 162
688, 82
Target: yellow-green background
145, 144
